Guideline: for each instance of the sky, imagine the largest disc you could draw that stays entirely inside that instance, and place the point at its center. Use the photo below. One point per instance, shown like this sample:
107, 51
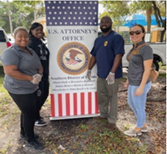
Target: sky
101, 9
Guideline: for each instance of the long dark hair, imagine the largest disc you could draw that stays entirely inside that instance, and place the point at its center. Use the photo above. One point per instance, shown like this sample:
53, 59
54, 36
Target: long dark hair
142, 28
33, 26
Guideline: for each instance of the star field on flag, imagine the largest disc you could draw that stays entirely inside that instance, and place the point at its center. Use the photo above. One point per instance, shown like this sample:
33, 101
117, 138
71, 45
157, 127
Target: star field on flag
71, 13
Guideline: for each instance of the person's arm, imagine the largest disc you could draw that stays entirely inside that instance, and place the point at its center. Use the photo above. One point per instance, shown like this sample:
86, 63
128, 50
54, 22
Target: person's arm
126, 84
12, 71
146, 74
117, 61
92, 62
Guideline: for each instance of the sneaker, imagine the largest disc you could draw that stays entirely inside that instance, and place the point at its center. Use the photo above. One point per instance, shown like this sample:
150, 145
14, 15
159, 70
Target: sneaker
23, 136
144, 129
132, 132
40, 123
34, 144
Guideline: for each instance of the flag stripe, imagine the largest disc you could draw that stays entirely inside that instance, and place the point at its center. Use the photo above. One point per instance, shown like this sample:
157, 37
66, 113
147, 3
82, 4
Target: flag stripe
96, 103
52, 105
60, 104
89, 103
75, 103
70, 104
82, 104
67, 104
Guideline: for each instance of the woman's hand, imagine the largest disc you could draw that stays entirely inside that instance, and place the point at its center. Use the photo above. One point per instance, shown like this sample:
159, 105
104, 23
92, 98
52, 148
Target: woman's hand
126, 84
36, 79
139, 91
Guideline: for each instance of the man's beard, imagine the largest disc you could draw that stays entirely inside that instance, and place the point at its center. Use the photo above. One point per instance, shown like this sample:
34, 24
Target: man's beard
105, 30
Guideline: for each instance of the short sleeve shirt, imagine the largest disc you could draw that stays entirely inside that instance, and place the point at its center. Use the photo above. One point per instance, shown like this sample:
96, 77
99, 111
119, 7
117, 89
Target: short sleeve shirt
26, 64
136, 66
105, 49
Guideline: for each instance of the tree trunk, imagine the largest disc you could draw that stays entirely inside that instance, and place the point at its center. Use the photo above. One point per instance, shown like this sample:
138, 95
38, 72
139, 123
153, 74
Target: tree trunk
148, 15
156, 13
159, 20
163, 32
35, 14
10, 20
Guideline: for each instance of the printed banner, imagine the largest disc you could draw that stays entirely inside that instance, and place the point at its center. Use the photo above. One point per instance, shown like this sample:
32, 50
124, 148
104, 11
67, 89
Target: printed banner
71, 31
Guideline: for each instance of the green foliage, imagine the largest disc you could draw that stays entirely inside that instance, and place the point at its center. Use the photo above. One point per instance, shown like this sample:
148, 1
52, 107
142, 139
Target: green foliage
5, 98
1, 71
163, 67
162, 6
118, 15
162, 75
138, 6
83, 127
22, 13
104, 141
120, 10
3, 151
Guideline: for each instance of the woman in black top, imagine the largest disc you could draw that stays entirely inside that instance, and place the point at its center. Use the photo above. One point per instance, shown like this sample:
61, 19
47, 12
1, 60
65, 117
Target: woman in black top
36, 36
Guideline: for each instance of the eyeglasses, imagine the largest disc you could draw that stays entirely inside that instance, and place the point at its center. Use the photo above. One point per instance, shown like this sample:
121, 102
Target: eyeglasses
135, 32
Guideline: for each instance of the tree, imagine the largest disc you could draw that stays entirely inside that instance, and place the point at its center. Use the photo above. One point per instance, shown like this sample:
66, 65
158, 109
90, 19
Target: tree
159, 18
37, 7
117, 15
21, 14
9, 15
118, 10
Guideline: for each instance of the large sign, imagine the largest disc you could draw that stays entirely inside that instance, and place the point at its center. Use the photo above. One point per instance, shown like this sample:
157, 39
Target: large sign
71, 31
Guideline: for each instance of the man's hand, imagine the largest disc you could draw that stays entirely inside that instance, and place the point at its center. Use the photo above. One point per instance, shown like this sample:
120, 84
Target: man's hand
89, 74
36, 78
110, 78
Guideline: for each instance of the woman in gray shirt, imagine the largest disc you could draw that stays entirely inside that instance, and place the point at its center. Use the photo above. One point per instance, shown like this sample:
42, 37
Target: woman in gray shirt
140, 61
22, 69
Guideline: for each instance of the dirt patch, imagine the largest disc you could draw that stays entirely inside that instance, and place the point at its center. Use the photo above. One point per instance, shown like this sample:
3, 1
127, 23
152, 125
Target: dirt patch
61, 134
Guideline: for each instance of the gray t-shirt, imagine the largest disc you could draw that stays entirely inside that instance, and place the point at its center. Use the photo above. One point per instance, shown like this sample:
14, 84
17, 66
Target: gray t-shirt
26, 64
136, 66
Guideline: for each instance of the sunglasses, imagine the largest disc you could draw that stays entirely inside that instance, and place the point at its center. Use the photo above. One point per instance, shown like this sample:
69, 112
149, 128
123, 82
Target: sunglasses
135, 32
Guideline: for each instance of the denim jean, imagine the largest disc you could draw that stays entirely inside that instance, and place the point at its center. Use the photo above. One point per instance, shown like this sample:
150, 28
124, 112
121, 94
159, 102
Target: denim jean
137, 103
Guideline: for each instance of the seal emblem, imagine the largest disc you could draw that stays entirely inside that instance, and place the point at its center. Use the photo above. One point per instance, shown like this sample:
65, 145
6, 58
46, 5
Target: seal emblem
73, 58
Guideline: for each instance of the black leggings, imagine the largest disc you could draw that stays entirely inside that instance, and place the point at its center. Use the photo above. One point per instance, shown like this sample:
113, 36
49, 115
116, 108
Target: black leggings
44, 87
27, 105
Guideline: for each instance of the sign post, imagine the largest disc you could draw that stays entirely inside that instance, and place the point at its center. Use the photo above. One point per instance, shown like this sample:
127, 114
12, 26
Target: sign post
71, 31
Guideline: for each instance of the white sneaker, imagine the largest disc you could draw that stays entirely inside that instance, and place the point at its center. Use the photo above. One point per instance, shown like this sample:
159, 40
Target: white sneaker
40, 123
132, 132
144, 129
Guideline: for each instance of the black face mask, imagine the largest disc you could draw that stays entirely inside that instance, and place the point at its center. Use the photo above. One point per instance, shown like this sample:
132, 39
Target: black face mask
105, 30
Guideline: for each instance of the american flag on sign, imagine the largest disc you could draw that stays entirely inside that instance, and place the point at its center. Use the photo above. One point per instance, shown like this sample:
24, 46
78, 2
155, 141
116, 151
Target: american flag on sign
71, 13
74, 105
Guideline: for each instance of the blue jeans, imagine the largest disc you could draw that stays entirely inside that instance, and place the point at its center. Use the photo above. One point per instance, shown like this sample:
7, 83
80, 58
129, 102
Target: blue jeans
137, 103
